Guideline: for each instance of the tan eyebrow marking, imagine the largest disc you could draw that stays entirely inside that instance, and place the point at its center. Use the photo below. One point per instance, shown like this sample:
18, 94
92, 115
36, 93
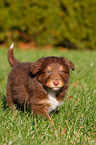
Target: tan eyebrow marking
49, 68
61, 68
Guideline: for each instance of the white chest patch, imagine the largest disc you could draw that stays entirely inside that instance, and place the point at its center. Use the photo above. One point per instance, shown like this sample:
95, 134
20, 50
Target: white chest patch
52, 101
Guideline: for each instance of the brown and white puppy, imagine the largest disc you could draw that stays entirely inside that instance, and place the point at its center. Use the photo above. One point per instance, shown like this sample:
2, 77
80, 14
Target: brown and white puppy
39, 86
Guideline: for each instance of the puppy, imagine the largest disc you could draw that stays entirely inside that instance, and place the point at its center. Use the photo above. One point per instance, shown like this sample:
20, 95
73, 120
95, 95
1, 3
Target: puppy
38, 86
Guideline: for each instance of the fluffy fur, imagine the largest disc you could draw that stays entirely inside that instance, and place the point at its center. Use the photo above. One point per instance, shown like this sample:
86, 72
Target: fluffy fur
38, 86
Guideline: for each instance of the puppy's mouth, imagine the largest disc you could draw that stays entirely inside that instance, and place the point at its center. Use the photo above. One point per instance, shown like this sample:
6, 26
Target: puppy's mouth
56, 88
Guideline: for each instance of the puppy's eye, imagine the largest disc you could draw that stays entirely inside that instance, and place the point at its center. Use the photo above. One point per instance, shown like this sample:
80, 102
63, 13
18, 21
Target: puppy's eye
48, 72
61, 72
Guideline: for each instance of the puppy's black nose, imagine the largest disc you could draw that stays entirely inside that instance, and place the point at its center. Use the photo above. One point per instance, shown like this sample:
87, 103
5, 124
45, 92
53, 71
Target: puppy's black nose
55, 82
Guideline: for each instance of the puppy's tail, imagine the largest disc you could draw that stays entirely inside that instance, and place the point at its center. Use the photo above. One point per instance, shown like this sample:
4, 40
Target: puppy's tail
12, 60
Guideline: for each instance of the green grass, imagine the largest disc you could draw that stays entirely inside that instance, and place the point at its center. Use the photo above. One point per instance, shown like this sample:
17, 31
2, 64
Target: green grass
75, 122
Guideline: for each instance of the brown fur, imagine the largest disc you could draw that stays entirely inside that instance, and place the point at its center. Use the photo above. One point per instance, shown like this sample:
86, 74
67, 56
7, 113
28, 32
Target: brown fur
35, 85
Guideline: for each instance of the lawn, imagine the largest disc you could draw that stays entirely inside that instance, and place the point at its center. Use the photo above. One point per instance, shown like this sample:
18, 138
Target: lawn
75, 121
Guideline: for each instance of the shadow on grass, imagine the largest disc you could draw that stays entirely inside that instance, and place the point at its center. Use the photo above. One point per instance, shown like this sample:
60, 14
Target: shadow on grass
3, 100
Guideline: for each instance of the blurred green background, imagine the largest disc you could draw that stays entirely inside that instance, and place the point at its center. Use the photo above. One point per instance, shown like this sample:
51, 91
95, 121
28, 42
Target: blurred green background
58, 23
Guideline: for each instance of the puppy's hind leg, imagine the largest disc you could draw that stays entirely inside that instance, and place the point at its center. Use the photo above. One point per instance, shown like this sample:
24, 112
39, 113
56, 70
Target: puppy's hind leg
9, 100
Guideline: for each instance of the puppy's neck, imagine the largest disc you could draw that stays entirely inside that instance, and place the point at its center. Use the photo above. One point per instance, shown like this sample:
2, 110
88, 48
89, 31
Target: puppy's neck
52, 93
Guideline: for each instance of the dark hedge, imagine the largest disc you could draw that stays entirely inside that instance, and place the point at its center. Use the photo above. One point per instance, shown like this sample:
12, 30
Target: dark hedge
67, 23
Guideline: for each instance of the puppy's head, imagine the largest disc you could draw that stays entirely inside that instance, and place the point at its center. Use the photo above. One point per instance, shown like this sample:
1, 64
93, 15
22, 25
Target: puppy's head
53, 72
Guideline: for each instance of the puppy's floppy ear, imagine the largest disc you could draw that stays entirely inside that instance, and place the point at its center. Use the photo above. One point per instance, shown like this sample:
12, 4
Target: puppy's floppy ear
69, 63
36, 66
